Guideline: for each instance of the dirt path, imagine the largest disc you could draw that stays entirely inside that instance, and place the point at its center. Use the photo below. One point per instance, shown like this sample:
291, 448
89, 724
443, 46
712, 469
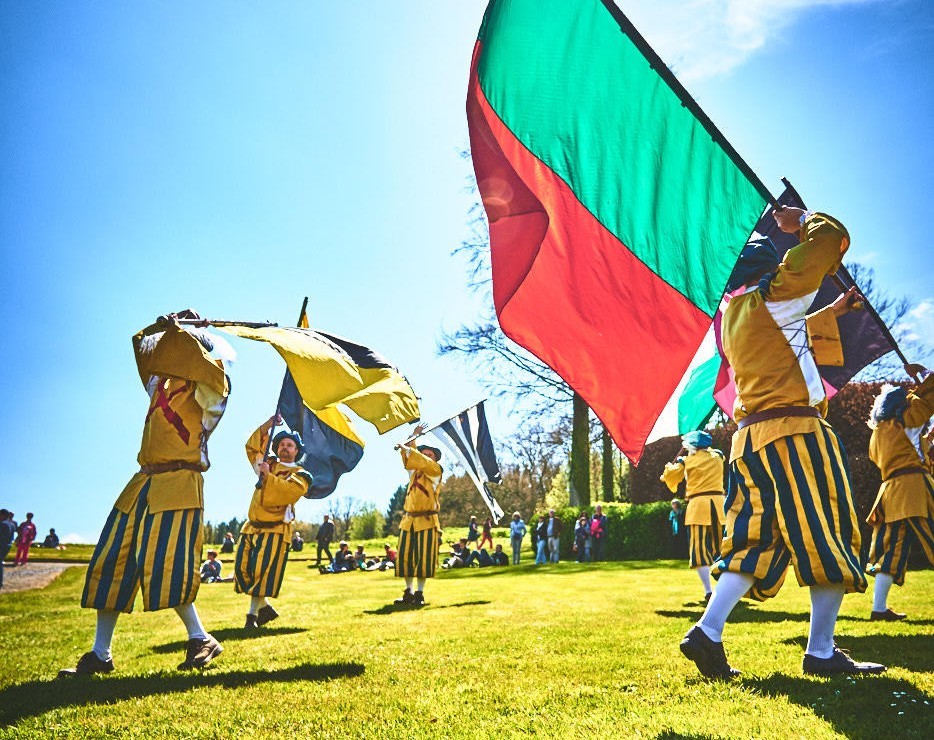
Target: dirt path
33, 575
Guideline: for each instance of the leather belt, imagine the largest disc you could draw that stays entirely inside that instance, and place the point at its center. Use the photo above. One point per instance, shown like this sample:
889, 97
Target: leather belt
432, 512
168, 467
265, 525
705, 493
907, 471
780, 413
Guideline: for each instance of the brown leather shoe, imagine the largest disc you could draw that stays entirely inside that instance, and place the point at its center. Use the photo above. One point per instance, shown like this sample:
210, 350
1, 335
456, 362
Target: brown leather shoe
887, 616
87, 664
708, 656
198, 653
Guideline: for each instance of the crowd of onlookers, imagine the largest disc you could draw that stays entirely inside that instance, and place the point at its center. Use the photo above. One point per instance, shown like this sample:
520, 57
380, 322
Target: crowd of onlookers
476, 550
23, 535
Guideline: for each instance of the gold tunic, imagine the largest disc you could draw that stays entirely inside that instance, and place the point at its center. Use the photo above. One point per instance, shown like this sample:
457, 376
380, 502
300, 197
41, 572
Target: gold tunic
423, 496
769, 341
271, 508
703, 472
895, 446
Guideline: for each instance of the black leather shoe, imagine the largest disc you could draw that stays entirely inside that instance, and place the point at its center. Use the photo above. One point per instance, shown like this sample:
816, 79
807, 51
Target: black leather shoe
265, 615
418, 599
408, 599
708, 656
198, 653
887, 616
838, 663
87, 664
250, 622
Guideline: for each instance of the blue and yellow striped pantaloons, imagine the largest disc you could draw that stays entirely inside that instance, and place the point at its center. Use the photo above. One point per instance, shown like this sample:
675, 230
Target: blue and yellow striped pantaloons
892, 543
260, 563
705, 544
156, 552
418, 554
790, 503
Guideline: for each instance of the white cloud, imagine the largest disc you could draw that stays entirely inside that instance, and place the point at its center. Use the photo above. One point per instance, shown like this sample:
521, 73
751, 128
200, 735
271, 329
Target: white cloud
700, 39
73, 538
919, 323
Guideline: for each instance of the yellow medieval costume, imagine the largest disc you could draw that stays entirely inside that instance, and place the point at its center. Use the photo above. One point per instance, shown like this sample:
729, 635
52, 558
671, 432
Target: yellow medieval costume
420, 528
903, 513
263, 547
702, 471
152, 538
789, 497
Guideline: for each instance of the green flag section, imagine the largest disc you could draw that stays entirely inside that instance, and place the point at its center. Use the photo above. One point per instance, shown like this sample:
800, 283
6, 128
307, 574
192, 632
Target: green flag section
615, 215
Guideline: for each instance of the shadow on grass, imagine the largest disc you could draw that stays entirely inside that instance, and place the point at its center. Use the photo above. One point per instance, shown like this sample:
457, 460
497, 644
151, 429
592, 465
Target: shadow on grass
911, 652
231, 633
672, 735
869, 707
34, 698
740, 614
396, 609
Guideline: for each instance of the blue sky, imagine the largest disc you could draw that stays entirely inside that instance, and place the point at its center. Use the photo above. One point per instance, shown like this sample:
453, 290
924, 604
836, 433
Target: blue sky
236, 157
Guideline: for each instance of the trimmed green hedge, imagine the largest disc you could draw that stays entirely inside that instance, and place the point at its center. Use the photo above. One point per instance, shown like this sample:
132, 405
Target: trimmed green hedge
634, 531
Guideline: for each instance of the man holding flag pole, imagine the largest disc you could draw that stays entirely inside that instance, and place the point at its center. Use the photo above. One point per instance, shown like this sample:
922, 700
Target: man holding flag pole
420, 528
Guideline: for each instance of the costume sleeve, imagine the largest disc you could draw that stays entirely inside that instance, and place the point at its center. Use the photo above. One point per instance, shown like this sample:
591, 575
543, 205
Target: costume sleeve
173, 352
412, 459
256, 446
920, 404
673, 474
824, 337
285, 491
824, 241
212, 404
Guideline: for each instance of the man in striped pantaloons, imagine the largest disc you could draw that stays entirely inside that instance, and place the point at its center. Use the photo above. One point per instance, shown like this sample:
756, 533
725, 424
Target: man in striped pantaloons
789, 500
420, 528
263, 547
702, 471
152, 538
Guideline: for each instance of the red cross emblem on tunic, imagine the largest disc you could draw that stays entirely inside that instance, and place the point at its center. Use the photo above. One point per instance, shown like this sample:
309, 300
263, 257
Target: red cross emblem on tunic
162, 401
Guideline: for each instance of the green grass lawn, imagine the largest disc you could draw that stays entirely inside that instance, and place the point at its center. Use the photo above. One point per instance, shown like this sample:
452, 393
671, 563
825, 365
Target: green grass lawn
561, 651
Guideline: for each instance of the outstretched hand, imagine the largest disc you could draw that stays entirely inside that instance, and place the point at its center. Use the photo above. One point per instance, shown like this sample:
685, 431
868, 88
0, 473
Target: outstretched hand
788, 219
846, 302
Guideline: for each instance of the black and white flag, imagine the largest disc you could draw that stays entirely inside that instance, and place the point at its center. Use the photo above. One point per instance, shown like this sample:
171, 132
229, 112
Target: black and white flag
467, 437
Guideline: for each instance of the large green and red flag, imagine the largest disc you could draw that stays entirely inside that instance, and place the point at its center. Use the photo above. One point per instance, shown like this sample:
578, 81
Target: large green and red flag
616, 209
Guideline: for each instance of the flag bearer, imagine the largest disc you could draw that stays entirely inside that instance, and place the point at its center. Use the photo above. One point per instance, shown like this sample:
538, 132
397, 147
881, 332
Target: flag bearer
903, 513
789, 499
152, 538
420, 528
702, 469
265, 538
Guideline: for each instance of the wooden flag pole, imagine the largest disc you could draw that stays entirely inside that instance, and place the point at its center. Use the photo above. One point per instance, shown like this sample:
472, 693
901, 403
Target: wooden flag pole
221, 322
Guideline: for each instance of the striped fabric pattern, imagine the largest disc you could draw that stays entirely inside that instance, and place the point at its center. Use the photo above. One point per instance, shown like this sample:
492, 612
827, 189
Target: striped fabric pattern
467, 437
260, 563
892, 544
705, 539
418, 554
155, 552
790, 502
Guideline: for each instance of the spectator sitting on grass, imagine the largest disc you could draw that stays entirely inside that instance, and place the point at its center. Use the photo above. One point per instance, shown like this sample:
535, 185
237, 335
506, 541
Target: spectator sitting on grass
499, 557
228, 544
211, 568
359, 557
52, 542
298, 542
387, 561
343, 560
459, 555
